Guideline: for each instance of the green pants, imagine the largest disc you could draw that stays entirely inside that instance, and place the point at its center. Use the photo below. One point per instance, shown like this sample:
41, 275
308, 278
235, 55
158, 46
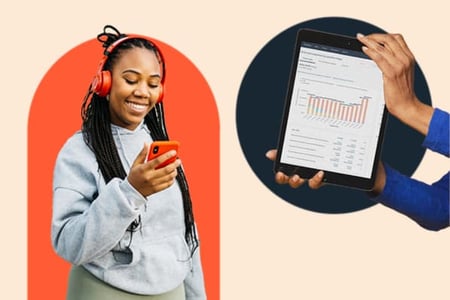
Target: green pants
85, 286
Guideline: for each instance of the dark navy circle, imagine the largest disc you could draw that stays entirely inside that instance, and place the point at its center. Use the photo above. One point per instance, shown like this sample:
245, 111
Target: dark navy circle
260, 107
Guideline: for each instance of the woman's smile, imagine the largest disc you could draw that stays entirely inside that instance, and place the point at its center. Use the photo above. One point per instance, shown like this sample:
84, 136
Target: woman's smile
137, 107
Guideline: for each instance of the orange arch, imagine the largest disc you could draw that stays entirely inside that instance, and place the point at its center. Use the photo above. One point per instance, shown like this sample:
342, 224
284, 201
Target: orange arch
191, 117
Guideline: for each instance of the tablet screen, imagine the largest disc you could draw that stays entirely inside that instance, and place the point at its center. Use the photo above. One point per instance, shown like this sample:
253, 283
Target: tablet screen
334, 112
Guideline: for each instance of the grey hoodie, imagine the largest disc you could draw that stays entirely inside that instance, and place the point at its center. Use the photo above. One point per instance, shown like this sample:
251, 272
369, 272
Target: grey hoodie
93, 233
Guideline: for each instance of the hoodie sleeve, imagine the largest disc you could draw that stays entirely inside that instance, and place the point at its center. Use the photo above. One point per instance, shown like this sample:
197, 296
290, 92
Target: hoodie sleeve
87, 224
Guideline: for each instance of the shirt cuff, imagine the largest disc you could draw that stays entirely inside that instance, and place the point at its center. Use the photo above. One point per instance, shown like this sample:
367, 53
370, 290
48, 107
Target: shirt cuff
393, 180
134, 198
437, 138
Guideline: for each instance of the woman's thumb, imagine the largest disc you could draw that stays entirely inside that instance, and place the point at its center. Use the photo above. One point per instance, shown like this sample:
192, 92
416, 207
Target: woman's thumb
142, 156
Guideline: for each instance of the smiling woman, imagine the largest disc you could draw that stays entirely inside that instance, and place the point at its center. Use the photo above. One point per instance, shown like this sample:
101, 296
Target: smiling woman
105, 210
136, 85
126, 226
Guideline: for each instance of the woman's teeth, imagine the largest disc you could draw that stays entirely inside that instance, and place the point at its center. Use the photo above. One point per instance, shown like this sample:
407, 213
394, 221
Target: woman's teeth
138, 107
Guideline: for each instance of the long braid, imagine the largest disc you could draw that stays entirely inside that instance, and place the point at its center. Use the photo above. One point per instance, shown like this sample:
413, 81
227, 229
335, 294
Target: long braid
156, 124
97, 134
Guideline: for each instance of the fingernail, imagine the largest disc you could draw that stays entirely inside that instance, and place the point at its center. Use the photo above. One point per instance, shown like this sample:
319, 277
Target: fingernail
359, 35
320, 174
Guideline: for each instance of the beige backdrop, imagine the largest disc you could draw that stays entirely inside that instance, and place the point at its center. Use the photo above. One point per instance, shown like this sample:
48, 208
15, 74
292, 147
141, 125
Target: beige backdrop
269, 249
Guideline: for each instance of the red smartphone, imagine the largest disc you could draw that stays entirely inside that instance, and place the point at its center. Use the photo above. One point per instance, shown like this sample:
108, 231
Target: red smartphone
160, 147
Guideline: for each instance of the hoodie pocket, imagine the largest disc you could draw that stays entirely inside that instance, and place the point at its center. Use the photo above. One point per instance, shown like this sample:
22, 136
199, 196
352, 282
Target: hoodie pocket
157, 266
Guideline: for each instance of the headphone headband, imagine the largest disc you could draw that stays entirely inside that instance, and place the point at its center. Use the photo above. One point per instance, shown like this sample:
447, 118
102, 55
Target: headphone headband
101, 84
125, 38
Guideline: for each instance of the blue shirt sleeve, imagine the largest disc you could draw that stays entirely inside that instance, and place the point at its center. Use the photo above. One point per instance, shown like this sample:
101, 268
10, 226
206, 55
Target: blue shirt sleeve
438, 135
428, 205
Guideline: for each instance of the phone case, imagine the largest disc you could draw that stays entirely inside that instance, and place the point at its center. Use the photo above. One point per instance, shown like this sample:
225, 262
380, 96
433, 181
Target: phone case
158, 148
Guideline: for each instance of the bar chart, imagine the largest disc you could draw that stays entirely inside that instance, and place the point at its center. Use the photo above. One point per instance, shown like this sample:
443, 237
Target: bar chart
339, 110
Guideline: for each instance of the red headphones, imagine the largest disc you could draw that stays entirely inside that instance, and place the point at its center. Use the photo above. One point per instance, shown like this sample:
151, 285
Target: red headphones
101, 84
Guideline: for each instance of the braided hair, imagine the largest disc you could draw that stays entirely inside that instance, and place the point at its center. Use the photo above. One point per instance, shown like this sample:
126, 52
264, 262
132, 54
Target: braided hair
97, 134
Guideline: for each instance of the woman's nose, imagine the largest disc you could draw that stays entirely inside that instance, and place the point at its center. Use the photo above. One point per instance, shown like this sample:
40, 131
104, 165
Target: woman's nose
141, 91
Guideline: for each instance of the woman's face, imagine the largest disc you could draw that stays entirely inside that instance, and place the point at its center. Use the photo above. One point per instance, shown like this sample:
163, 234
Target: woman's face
136, 84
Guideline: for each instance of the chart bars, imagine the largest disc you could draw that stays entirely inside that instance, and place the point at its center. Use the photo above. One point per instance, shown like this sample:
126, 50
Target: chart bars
337, 110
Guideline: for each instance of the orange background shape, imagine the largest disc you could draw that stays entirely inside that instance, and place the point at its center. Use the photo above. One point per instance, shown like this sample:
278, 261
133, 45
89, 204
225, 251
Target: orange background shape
191, 118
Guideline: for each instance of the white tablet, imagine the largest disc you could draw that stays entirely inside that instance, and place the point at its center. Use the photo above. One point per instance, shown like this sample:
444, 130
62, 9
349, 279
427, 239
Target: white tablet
334, 116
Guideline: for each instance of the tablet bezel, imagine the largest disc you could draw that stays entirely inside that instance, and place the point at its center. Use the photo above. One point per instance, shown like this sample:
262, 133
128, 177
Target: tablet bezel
351, 181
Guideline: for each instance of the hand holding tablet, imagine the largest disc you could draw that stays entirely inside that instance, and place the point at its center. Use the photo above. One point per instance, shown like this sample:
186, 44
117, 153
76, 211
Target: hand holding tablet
334, 116
295, 180
426, 204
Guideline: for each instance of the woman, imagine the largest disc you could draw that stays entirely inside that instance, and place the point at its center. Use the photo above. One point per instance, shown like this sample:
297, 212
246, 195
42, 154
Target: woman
125, 225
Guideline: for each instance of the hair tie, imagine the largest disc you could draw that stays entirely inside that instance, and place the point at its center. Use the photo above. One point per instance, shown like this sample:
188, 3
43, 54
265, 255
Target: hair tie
107, 37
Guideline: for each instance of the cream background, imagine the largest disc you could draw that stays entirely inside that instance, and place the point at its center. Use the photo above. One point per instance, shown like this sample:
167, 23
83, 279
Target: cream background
269, 249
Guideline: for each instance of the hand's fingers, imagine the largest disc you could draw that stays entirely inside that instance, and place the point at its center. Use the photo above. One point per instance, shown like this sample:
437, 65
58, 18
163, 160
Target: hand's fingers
401, 41
159, 185
140, 158
293, 181
162, 176
397, 46
271, 154
160, 159
166, 173
394, 42
296, 181
376, 41
281, 178
376, 51
148, 180
164, 185
316, 181
388, 51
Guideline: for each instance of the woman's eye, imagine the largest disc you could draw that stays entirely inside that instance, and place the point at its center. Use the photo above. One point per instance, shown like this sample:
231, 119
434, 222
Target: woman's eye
129, 81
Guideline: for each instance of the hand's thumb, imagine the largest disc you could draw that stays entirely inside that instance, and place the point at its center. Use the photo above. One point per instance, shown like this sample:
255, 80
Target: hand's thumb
271, 154
141, 157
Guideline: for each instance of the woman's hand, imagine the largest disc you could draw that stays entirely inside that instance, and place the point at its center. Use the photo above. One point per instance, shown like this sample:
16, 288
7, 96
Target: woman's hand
392, 55
295, 181
144, 176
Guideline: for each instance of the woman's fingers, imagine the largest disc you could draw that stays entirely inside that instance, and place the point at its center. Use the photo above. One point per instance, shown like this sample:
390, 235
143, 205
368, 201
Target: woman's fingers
317, 180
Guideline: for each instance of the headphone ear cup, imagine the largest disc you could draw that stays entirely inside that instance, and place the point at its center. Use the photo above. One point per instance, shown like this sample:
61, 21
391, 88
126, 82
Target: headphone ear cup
101, 85
161, 94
